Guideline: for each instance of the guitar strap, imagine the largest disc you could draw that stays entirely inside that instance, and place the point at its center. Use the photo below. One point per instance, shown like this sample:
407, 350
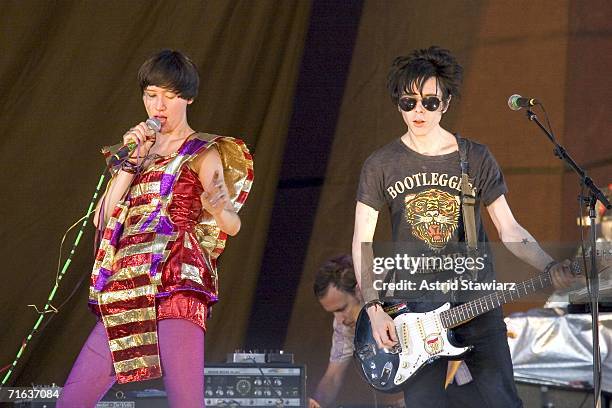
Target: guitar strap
468, 202
458, 370
468, 199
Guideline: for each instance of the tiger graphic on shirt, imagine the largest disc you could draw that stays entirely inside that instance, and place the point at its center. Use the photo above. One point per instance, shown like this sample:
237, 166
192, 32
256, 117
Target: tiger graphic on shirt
433, 215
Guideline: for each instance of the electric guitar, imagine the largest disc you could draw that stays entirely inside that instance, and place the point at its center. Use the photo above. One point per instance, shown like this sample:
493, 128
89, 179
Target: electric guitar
426, 337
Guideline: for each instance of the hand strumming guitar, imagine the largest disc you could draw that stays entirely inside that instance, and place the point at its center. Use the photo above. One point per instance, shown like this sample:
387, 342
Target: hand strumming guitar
383, 327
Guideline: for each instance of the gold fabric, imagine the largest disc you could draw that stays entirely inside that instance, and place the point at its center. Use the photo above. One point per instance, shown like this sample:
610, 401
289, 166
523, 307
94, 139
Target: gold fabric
130, 272
135, 363
134, 249
130, 316
145, 188
191, 272
134, 340
120, 295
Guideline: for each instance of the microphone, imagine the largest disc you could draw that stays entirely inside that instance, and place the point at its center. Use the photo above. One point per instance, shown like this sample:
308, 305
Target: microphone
152, 123
516, 102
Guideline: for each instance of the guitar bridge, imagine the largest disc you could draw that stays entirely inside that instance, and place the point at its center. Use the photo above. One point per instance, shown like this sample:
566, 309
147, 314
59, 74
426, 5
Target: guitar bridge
394, 350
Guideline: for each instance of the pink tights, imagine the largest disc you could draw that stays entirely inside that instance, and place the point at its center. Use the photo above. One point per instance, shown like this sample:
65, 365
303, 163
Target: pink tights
181, 347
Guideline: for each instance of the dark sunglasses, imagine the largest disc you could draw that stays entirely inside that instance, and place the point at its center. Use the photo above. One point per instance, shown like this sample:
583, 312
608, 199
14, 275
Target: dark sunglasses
431, 103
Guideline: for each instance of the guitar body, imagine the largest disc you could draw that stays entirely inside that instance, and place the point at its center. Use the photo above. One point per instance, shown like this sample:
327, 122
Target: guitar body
426, 337
422, 340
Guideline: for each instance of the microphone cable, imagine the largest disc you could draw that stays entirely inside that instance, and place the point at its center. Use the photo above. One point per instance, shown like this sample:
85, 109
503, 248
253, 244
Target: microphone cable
61, 272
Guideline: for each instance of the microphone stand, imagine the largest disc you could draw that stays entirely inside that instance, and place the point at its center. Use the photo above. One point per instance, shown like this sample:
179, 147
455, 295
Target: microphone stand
595, 194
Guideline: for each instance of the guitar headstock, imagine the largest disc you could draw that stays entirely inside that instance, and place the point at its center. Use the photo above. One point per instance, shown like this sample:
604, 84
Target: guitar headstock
577, 267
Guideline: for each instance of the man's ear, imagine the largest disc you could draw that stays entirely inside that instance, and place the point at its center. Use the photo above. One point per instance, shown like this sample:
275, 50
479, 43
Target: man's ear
447, 103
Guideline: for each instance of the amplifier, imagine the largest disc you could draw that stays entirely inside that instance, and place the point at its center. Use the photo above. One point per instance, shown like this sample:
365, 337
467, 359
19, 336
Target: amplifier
255, 385
226, 385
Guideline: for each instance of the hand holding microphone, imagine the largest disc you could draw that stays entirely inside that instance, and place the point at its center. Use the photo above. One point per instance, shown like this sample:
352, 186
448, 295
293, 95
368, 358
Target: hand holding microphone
138, 141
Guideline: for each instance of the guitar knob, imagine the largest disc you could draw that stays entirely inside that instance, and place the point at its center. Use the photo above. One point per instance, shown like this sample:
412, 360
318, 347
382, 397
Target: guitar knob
399, 378
404, 364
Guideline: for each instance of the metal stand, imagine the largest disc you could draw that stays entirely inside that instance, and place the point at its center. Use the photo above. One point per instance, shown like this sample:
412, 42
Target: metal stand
592, 278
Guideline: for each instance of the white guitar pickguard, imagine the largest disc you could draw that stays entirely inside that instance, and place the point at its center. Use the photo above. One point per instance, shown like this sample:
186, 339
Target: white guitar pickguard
422, 337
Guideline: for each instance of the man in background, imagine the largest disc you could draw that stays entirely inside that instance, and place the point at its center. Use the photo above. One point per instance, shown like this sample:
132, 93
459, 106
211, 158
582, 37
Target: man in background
335, 287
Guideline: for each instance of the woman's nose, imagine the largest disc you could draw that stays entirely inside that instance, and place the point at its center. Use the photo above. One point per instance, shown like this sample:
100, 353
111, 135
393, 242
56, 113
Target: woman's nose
160, 104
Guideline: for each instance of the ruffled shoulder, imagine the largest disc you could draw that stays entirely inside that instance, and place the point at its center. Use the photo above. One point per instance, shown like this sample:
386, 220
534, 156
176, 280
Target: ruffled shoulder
237, 164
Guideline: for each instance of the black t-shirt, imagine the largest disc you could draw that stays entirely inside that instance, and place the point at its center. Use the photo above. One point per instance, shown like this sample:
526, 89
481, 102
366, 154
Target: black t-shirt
423, 193
413, 185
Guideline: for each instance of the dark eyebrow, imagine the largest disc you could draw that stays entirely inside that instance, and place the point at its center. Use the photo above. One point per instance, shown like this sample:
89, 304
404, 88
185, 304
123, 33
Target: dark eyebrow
414, 94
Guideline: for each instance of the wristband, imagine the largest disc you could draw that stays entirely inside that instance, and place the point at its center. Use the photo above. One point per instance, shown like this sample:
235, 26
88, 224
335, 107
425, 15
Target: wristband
549, 266
130, 167
372, 303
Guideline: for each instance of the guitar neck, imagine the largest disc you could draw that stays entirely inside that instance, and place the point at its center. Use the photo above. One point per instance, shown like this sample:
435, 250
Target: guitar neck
462, 313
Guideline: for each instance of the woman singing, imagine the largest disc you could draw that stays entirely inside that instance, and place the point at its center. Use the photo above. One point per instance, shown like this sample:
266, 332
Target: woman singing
164, 219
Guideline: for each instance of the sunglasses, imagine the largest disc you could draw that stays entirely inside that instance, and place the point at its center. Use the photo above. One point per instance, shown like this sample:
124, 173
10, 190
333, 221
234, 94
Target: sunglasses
431, 103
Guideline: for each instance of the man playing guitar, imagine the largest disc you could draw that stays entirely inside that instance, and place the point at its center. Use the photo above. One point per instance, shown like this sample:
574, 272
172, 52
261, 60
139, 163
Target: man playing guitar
419, 178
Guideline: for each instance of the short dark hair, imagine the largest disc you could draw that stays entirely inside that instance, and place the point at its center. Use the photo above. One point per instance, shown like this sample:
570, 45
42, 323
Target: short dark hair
172, 70
411, 72
337, 271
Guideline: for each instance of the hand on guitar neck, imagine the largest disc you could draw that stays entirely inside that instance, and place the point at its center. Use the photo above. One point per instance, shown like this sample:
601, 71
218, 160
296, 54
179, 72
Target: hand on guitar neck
562, 275
383, 327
